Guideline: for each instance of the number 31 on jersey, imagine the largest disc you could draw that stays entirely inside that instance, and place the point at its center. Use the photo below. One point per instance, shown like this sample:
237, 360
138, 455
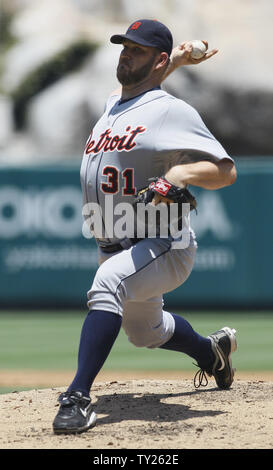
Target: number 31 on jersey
112, 184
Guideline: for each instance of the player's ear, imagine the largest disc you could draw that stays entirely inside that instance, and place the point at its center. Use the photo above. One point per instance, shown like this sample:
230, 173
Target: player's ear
162, 60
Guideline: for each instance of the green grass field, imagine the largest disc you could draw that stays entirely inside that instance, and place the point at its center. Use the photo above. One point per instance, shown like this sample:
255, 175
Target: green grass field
49, 340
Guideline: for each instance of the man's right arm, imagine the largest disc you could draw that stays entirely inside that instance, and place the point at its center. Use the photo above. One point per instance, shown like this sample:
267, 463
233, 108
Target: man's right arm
181, 56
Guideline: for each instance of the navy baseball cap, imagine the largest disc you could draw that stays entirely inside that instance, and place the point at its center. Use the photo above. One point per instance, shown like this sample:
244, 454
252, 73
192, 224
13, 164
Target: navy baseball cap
150, 33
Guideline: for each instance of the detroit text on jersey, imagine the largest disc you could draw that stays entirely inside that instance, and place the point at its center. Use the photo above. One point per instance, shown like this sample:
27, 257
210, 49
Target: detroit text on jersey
109, 143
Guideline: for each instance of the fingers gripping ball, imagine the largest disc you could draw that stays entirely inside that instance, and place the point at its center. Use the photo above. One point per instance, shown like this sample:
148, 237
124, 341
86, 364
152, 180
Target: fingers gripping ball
199, 49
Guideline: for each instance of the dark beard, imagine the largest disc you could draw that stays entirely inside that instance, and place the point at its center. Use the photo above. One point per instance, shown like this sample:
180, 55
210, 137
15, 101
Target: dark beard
126, 77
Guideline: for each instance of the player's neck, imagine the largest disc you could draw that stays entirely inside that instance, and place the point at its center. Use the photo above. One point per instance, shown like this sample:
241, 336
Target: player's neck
131, 91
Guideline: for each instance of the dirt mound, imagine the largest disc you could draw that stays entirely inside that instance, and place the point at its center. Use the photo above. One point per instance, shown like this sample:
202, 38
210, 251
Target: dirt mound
147, 414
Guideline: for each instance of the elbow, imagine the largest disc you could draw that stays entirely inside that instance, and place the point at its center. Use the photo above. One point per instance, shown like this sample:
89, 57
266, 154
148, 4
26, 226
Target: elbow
229, 173
232, 176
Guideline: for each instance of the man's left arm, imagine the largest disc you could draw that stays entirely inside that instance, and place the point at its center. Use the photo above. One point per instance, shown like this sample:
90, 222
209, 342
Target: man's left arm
206, 174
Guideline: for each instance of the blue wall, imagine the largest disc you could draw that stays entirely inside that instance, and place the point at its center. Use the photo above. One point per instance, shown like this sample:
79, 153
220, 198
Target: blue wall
46, 262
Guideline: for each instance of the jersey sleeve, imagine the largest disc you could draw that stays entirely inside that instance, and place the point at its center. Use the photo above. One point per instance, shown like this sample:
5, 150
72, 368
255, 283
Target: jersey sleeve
184, 134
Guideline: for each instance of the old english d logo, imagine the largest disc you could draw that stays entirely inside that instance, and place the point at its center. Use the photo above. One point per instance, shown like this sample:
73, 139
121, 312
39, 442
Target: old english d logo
136, 25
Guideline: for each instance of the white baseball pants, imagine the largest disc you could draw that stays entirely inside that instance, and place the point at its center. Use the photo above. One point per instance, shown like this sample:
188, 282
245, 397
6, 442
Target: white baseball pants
131, 283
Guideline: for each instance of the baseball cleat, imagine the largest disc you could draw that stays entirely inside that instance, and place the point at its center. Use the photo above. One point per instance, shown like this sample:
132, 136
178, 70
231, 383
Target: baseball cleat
223, 344
75, 414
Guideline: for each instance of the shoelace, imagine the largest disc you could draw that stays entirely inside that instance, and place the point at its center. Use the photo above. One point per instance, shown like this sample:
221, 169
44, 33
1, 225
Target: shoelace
68, 399
199, 377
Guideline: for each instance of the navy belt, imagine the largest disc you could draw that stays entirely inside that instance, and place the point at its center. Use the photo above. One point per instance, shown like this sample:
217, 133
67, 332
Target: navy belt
118, 246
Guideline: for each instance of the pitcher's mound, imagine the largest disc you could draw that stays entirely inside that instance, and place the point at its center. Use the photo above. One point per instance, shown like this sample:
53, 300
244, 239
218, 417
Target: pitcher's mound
147, 414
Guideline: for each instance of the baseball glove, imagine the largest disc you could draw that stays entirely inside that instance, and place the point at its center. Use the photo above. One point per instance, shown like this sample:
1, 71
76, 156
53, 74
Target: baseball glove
174, 194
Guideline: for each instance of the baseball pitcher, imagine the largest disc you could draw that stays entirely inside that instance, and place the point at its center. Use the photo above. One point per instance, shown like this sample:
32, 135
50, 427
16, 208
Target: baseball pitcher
140, 165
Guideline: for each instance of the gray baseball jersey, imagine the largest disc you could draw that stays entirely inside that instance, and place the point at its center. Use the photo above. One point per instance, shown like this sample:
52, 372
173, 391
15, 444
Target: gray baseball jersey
135, 140
139, 139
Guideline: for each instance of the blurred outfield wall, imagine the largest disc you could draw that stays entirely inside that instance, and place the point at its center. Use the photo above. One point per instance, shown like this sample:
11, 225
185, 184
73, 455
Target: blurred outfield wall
46, 262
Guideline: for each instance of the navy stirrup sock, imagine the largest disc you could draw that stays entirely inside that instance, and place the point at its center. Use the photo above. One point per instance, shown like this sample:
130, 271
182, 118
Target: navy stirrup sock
187, 341
99, 332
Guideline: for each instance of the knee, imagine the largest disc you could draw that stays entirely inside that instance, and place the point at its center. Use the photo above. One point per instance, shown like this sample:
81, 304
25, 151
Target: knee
143, 340
145, 334
106, 291
138, 341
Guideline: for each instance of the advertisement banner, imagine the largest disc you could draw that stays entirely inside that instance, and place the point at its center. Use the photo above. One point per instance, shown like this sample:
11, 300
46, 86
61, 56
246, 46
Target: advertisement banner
45, 261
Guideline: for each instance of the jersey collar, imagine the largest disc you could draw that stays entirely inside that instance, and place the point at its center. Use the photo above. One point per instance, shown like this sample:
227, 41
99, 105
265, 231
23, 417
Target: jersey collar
121, 101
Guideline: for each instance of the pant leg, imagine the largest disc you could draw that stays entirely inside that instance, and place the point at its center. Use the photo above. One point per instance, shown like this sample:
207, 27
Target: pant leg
146, 323
147, 270
131, 284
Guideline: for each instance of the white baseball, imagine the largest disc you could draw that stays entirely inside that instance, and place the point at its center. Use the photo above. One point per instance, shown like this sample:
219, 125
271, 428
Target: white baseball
198, 49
